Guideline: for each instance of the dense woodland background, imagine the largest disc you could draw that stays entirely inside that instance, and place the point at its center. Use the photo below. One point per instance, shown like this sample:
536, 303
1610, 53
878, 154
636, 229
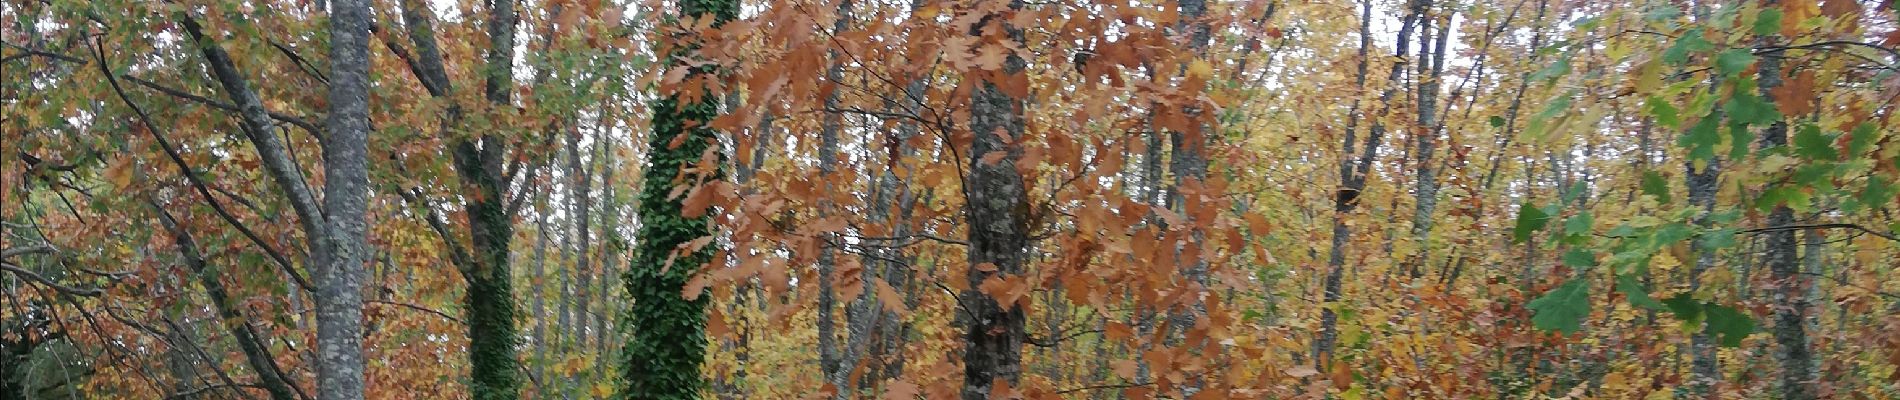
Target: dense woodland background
1045, 199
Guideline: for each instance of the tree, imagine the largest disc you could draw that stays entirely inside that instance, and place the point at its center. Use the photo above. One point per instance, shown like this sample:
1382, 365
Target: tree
663, 353
998, 217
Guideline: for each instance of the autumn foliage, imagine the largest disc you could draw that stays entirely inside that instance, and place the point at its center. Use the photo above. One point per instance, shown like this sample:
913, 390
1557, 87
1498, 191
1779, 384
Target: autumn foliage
1064, 199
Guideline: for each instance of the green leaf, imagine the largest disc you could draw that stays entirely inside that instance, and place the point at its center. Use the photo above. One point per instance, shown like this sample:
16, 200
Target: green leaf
1552, 71
1739, 138
1564, 308
1497, 121
1878, 192
1745, 106
1733, 61
1717, 238
1669, 234
1701, 139
1665, 113
1529, 219
1690, 42
1728, 324
1782, 195
1654, 185
1635, 293
1580, 258
1811, 144
1685, 307
1768, 22
1662, 12
1579, 224
1862, 137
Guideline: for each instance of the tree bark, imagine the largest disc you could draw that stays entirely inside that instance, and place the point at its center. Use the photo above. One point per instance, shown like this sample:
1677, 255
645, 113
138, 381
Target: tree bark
336, 230
256, 352
489, 300
1352, 180
339, 272
662, 358
1431, 67
997, 208
1790, 293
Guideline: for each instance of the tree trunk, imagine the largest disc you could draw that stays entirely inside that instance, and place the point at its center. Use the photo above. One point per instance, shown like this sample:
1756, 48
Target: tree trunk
538, 303
1790, 293
609, 227
1352, 178
339, 270
581, 176
1431, 67
489, 300
1704, 372
997, 208
490, 297
669, 331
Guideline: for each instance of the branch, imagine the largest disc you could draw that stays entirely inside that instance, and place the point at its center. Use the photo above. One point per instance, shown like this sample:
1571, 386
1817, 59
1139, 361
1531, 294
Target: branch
302, 64
1051, 342
457, 253
293, 120
1839, 281
1885, 235
192, 176
39, 53
289, 177
29, 275
20, 251
417, 308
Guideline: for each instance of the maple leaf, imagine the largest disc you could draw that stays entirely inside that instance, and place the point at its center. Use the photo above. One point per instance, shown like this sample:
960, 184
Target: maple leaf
1795, 96
990, 57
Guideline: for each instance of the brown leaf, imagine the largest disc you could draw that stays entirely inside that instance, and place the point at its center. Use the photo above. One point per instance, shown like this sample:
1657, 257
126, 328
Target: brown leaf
1124, 368
1795, 96
991, 158
901, 390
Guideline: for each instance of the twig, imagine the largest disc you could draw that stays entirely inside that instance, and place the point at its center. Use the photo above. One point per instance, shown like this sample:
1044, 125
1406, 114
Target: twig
192, 176
417, 308
293, 120
1837, 225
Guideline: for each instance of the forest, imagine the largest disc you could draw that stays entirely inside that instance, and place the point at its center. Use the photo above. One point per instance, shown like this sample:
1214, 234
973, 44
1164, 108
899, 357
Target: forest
949, 199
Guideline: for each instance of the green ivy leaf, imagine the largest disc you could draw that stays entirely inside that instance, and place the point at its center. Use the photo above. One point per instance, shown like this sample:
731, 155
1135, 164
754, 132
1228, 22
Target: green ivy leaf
1497, 121
1564, 308
1529, 219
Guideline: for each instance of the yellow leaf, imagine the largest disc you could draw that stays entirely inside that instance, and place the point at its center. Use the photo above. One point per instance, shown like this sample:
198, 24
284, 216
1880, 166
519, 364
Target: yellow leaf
1200, 69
